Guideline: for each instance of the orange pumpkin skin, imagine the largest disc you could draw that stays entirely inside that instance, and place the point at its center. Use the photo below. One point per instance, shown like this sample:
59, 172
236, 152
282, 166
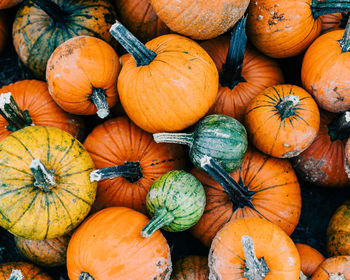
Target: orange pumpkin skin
74, 72
191, 268
108, 245
259, 172
347, 158
279, 135
4, 4
282, 28
28, 270
335, 266
227, 260
259, 71
4, 33
117, 141
202, 20
325, 72
323, 162
48, 252
34, 96
331, 22
338, 232
139, 17
124, 58
310, 258
175, 81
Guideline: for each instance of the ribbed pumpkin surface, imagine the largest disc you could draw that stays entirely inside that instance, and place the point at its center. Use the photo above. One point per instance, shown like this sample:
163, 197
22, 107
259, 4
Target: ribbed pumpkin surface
191, 268
28, 270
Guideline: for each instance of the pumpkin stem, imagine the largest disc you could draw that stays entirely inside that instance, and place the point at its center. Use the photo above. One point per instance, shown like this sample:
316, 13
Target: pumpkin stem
286, 106
325, 7
141, 54
161, 218
231, 74
55, 12
16, 274
15, 117
302, 276
339, 127
336, 276
345, 40
44, 177
255, 269
177, 138
130, 171
98, 97
85, 276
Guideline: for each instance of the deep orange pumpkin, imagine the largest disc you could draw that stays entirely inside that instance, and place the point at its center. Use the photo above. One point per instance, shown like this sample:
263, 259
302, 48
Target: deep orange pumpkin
108, 245
4, 4
334, 21
35, 106
347, 158
273, 189
119, 141
4, 32
282, 121
191, 268
310, 258
335, 268
29, 271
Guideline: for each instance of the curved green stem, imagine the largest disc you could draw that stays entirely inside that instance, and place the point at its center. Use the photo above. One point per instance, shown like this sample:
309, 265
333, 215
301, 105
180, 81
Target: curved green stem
339, 127
320, 8
44, 177
16, 274
85, 276
142, 55
231, 74
255, 269
98, 97
176, 138
345, 40
161, 218
15, 117
130, 171
286, 105
55, 12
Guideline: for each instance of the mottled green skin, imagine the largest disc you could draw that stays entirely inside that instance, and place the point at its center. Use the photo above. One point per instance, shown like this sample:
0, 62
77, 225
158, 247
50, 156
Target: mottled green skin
181, 194
36, 35
221, 137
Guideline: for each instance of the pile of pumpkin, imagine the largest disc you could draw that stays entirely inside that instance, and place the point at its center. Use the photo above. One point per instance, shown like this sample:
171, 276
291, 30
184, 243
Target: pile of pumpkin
97, 197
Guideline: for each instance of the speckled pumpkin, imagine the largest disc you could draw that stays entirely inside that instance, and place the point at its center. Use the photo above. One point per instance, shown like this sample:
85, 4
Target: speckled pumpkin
45, 187
29, 271
335, 268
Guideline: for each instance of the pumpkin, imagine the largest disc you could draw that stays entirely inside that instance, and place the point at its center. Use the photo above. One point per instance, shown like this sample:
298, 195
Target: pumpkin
267, 187
27, 270
201, 19
335, 268
284, 28
334, 21
338, 232
139, 17
4, 33
191, 268
108, 246
124, 58
282, 121
28, 102
165, 77
347, 158
242, 248
48, 252
220, 137
80, 81
244, 72
136, 159
325, 72
4, 4
175, 201
323, 162
310, 259
44, 177
42, 25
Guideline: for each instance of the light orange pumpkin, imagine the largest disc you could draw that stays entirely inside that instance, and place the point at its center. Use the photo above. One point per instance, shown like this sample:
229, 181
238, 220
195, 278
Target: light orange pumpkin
335, 268
310, 258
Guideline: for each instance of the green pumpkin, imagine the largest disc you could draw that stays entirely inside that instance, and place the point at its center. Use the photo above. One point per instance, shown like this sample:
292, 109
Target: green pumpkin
41, 25
217, 136
175, 201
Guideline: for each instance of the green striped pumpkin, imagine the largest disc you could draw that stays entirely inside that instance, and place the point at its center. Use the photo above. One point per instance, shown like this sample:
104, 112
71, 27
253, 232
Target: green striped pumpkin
217, 136
42, 25
175, 201
45, 189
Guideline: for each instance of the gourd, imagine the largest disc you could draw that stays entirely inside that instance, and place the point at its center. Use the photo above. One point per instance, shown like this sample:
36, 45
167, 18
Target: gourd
22, 270
191, 268
334, 268
310, 259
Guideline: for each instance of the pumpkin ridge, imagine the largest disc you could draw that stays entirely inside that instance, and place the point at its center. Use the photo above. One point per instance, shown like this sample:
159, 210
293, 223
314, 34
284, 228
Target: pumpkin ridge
54, 11
76, 196
64, 207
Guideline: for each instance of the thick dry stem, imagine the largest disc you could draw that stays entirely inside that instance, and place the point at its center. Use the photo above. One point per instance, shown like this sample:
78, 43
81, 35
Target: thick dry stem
55, 12
302, 276
176, 138
98, 97
325, 7
16, 274
336, 276
345, 40
85, 276
44, 177
286, 105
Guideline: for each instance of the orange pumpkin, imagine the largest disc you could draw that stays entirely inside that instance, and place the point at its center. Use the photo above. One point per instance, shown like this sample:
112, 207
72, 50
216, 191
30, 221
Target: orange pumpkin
282, 121
325, 71
242, 250
29, 271
118, 142
139, 17
347, 158
4, 4
191, 268
244, 73
108, 245
28, 103
310, 258
80, 81
169, 84
200, 19
335, 268
272, 191
4, 33
334, 21
323, 162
